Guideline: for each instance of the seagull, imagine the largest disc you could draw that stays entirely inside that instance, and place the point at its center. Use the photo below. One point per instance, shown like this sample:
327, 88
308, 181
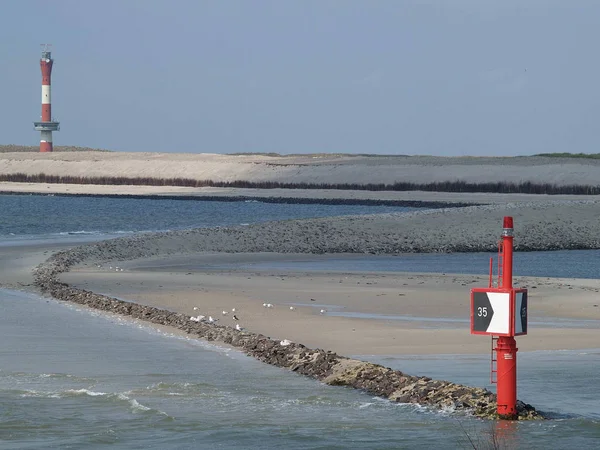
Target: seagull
292, 308
237, 327
285, 343
232, 309
225, 313
264, 305
211, 320
195, 308
323, 311
235, 317
269, 305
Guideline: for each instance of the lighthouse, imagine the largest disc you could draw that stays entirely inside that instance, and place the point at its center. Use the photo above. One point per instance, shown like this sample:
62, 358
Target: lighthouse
47, 125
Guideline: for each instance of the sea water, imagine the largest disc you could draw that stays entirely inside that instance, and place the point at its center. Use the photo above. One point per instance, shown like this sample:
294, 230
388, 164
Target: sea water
50, 215
555, 264
74, 378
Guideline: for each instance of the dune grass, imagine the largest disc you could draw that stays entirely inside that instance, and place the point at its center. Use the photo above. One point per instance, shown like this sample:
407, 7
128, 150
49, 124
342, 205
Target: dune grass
571, 155
445, 186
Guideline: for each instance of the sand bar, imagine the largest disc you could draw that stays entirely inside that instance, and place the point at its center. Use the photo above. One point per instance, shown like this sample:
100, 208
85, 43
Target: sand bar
367, 313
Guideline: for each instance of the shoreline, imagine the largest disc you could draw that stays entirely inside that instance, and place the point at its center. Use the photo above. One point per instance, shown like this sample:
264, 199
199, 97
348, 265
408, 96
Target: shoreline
325, 366
325, 196
332, 200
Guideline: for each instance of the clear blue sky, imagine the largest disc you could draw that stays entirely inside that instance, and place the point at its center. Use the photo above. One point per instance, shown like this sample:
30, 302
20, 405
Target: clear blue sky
439, 77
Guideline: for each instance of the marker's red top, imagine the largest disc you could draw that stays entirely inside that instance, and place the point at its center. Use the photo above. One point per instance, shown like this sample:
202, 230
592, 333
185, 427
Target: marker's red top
508, 222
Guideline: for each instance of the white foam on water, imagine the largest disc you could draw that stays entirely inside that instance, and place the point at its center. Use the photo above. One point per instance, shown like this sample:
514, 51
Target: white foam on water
68, 376
32, 393
134, 405
85, 392
61, 394
447, 409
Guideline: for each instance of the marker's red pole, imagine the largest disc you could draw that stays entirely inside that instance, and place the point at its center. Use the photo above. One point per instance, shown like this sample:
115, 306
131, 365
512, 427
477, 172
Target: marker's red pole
506, 348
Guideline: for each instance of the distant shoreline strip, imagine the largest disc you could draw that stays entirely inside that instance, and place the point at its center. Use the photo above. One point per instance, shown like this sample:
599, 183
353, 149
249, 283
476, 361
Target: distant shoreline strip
244, 198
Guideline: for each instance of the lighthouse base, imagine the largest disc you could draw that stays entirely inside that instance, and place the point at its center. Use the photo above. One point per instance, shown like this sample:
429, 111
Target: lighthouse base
45, 147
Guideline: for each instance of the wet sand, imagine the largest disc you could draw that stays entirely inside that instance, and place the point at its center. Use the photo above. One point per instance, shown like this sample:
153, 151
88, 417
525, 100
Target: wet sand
367, 313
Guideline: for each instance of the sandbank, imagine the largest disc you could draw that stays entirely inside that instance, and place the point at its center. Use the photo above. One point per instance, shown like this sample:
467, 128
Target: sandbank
367, 313
316, 168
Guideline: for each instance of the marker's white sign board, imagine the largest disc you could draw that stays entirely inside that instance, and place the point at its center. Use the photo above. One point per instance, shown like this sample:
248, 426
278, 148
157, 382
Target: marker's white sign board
499, 312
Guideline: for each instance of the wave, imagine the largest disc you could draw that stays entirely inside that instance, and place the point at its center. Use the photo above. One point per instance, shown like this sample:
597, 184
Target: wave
177, 389
82, 234
132, 403
24, 377
94, 232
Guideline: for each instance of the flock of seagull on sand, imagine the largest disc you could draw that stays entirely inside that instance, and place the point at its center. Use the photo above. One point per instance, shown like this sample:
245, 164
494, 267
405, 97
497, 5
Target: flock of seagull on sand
116, 268
211, 319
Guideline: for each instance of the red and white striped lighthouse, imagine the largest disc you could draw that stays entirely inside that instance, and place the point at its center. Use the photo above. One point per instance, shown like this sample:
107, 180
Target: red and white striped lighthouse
47, 125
